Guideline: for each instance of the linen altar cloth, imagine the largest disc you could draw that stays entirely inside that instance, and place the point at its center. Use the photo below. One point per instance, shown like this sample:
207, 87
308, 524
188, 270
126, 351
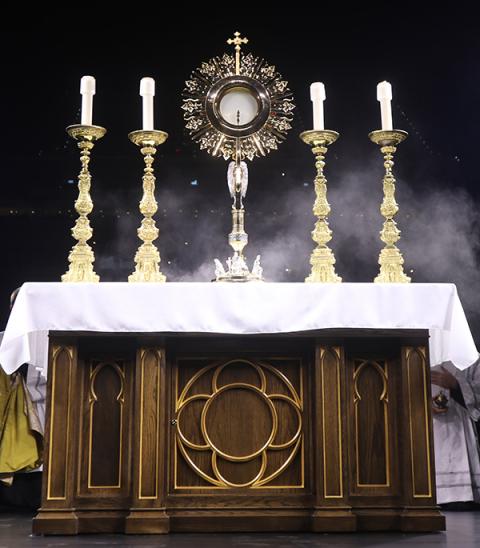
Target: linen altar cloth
224, 308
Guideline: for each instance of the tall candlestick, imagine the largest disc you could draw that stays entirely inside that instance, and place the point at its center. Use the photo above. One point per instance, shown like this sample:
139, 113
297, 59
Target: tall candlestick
317, 95
147, 257
322, 258
147, 91
384, 95
87, 90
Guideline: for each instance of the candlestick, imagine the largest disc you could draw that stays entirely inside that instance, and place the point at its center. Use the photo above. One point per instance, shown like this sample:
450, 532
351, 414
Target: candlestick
322, 258
147, 258
317, 95
147, 91
384, 95
81, 257
87, 90
390, 260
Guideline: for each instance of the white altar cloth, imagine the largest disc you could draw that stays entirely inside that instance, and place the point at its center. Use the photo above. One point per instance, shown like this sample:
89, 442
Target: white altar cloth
224, 308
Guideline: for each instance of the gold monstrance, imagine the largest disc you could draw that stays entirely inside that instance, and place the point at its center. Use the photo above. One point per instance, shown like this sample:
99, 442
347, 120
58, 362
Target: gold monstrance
239, 107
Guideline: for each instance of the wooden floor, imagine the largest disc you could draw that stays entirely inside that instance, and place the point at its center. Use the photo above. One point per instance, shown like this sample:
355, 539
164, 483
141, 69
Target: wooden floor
463, 530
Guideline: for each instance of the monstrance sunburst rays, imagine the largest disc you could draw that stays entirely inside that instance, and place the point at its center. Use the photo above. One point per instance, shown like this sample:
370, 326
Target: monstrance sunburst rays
211, 139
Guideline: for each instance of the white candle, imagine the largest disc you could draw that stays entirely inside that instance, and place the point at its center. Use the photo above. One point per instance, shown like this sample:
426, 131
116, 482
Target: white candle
384, 95
147, 91
87, 90
317, 95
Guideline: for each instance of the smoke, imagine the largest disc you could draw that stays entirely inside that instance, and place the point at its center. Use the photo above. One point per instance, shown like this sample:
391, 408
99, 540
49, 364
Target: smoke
439, 240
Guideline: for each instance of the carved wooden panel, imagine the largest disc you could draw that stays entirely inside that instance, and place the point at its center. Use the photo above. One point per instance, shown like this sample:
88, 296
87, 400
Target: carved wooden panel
104, 456
106, 407
239, 424
374, 409
331, 422
417, 396
371, 423
59, 434
149, 424
147, 504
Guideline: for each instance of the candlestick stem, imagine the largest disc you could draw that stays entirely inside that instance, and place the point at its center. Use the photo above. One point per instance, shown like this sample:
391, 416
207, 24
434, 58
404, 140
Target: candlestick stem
147, 258
322, 258
81, 256
390, 259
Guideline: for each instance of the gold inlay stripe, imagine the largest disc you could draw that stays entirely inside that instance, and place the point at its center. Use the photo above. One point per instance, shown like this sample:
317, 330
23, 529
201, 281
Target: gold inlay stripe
421, 353
55, 354
144, 353
335, 352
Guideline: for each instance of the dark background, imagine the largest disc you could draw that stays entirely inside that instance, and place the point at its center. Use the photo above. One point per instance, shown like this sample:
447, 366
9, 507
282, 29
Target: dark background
431, 60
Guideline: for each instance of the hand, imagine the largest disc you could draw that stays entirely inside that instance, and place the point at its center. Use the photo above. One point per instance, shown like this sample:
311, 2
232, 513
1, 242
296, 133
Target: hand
442, 377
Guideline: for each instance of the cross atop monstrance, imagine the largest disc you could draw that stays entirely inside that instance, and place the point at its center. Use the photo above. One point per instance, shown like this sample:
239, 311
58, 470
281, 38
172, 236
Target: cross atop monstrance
237, 41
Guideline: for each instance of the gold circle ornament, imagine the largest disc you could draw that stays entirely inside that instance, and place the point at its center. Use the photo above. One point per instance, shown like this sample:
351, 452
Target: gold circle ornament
237, 106
188, 447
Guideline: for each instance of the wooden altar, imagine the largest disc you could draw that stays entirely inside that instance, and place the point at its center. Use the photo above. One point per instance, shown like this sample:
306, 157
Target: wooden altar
325, 431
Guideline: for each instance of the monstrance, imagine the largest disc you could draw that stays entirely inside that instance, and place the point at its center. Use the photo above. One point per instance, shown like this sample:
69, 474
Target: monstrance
237, 107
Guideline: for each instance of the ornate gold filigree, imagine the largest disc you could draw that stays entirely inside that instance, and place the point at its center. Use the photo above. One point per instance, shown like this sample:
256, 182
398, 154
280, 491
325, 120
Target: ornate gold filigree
210, 138
81, 257
391, 259
322, 258
147, 258
185, 445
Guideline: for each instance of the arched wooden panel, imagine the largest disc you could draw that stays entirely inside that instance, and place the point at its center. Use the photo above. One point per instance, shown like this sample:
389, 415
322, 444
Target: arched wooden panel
372, 451
105, 426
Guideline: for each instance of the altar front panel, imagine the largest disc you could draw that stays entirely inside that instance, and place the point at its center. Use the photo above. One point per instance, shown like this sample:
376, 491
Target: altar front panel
239, 423
322, 433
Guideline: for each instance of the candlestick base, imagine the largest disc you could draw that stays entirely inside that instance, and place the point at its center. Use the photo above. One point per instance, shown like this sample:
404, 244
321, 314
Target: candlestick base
390, 259
147, 257
322, 258
147, 260
81, 256
81, 259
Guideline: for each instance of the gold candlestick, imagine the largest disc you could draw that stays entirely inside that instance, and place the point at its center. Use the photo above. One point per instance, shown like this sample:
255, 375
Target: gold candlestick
147, 258
322, 258
390, 259
81, 256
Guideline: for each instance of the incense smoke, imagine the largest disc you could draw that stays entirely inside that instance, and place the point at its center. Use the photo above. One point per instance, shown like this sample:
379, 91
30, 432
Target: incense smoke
439, 240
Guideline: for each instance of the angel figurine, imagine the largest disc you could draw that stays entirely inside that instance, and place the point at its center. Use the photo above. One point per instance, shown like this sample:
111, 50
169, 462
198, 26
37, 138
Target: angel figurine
257, 270
237, 179
219, 270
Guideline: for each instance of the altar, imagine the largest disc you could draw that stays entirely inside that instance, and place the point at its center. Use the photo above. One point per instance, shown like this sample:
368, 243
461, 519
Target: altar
237, 407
